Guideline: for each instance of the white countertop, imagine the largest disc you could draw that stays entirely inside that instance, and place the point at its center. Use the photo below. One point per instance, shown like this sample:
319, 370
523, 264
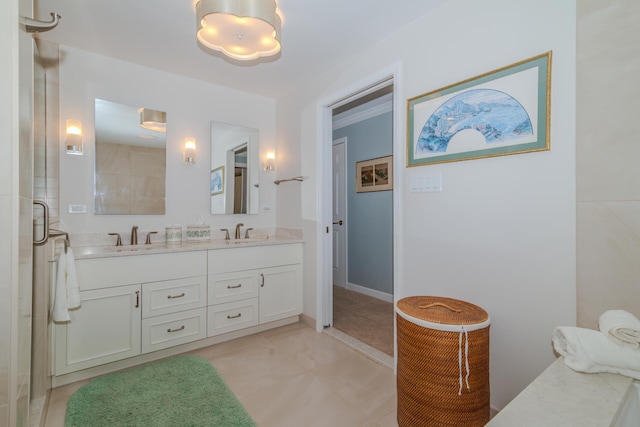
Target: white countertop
86, 252
562, 397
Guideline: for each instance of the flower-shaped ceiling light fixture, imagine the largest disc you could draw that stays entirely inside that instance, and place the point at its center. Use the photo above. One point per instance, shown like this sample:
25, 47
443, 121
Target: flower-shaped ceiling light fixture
240, 29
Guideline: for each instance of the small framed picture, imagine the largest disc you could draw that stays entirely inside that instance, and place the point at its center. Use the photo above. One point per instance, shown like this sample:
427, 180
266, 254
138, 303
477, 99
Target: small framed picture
217, 181
374, 175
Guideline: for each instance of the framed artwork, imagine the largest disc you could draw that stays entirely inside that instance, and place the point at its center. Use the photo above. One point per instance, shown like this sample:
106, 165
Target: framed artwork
374, 175
217, 181
502, 112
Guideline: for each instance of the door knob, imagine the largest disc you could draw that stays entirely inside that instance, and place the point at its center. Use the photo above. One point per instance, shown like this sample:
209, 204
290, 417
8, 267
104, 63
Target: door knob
339, 222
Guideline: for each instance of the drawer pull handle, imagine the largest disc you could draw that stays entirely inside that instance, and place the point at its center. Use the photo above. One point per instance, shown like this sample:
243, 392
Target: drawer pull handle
239, 285
181, 328
262, 280
175, 296
137, 299
234, 317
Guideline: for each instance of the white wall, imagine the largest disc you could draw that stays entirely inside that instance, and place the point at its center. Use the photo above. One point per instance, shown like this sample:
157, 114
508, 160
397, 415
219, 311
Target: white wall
505, 234
190, 105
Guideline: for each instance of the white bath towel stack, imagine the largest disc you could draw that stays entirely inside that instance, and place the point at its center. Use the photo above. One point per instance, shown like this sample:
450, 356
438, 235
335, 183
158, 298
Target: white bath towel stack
611, 349
67, 290
621, 327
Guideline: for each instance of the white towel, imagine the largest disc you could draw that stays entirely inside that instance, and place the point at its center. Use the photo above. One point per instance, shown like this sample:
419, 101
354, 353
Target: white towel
67, 289
588, 350
621, 327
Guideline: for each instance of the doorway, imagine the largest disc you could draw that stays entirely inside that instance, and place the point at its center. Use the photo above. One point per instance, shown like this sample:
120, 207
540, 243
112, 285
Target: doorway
334, 255
363, 220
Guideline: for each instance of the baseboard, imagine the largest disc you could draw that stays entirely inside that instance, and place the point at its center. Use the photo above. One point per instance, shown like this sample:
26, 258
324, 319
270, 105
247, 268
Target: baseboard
494, 411
307, 320
370, 292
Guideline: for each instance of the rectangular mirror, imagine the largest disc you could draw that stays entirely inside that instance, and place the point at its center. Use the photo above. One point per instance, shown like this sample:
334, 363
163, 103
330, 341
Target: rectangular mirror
234, 169
130, 163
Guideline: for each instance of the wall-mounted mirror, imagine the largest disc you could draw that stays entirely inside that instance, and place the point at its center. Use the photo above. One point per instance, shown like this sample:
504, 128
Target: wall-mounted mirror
234, 169
130, 163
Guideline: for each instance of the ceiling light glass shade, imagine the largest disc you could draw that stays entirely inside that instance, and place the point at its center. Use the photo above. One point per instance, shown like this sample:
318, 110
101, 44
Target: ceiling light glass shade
153, 120
240, 29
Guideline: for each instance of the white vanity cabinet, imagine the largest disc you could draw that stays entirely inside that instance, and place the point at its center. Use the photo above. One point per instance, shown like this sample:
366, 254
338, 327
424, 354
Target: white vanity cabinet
126, 311
251, 286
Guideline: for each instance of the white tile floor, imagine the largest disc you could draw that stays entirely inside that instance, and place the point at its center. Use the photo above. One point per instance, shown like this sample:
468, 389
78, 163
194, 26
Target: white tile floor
292, 376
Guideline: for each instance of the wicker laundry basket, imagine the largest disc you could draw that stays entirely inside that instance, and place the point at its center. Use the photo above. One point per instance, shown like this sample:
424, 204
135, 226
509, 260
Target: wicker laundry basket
443, 362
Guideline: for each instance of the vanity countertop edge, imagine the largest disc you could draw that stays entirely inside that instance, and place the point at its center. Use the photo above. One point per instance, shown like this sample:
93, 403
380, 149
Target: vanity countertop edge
561, 396
89, 252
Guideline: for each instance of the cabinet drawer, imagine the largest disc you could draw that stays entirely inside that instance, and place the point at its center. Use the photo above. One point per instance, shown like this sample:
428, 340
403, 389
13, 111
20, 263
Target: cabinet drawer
232, 287
253, 258
173, 329
172, 296
97, 273
232, 316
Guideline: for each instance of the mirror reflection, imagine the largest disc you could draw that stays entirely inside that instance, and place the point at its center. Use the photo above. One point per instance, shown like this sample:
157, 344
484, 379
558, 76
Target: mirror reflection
234, 169
130, 163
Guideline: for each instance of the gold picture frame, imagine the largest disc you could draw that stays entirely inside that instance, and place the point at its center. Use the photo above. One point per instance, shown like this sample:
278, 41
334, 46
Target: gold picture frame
502, 112
374, 175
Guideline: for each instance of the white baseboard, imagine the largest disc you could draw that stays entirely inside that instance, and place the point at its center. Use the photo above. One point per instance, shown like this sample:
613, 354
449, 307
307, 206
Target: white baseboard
370, 292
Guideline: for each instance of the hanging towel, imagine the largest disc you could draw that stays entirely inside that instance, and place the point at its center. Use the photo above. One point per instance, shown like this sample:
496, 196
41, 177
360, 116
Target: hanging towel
67, 290
621, 327
588, 350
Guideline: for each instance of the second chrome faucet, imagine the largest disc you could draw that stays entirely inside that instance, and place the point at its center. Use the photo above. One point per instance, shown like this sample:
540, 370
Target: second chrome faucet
238, 230
134, 235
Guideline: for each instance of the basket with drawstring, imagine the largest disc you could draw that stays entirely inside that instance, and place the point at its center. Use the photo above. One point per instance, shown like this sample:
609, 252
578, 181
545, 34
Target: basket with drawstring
443, 362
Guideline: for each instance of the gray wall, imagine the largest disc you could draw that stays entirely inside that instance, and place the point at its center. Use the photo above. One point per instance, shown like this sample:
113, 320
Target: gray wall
369, 215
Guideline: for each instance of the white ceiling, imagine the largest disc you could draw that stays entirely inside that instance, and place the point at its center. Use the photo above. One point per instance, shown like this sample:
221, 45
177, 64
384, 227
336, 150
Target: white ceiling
160, 34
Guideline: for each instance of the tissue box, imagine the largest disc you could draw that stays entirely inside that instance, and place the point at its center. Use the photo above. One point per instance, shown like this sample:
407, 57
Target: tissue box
198, 233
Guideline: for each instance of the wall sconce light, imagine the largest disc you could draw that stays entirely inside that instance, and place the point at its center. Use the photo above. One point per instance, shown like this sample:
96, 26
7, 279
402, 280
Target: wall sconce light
270, 161
74, 137
190, 151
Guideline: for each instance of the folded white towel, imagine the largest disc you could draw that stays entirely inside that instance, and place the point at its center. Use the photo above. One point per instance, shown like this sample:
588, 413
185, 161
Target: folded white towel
73, 287
67, 290
621, 327
588, 350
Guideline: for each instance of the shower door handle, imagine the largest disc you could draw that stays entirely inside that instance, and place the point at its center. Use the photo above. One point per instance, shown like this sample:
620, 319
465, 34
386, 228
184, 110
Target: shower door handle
45, 236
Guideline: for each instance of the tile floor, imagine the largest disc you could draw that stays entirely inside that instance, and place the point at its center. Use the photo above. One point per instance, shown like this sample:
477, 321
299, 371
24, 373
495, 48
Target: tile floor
292, 376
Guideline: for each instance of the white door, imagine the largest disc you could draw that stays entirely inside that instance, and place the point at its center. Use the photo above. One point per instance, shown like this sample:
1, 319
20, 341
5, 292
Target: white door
339, 213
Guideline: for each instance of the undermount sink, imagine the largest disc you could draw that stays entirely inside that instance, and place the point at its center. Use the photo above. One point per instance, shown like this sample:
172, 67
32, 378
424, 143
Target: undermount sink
629, 413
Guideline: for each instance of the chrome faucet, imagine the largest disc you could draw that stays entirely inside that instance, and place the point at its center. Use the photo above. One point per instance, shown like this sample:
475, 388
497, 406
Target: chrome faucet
238, 230
134, 235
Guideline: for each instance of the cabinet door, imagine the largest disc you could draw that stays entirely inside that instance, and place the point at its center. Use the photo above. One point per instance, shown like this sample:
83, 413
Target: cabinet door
280, 292
104, 329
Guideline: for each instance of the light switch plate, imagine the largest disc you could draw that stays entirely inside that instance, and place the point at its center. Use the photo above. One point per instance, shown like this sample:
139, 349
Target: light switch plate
426, 183
78, 209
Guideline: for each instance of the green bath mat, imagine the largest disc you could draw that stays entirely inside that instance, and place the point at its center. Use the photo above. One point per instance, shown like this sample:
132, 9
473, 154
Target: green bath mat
180, 391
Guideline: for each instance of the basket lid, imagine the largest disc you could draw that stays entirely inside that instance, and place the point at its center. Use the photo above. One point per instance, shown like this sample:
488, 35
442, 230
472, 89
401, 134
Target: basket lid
442, 310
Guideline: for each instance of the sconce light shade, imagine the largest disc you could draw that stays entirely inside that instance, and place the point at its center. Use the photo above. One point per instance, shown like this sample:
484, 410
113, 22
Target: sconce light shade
269, 163
153, 120
190, 151
74, 137
240, 29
